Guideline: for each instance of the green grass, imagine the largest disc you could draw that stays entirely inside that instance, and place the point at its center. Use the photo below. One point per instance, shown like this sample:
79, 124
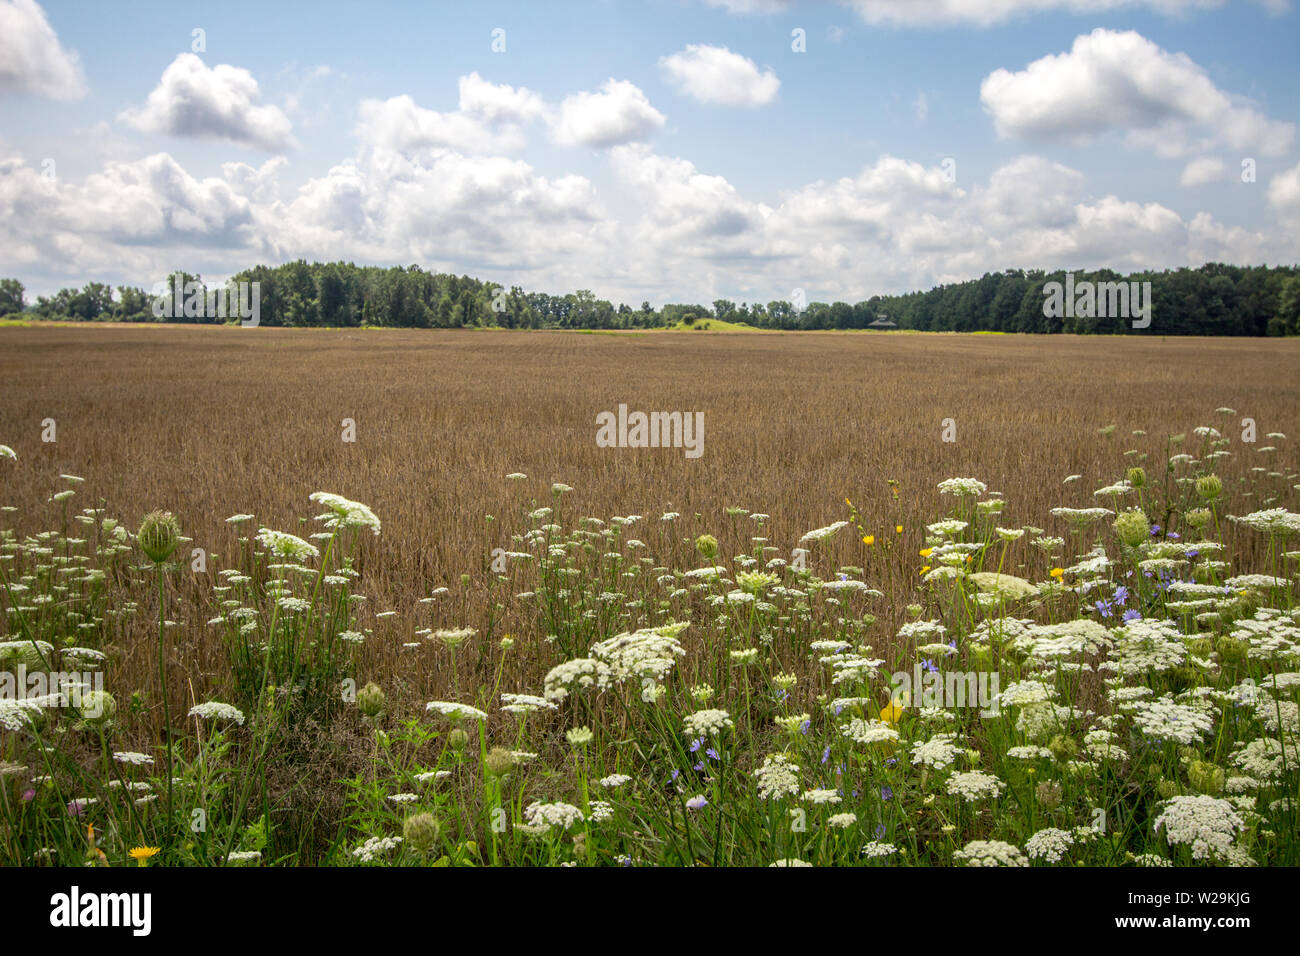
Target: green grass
712, 325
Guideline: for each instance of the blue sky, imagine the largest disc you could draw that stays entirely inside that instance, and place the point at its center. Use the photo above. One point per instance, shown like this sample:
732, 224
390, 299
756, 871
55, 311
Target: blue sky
675, 150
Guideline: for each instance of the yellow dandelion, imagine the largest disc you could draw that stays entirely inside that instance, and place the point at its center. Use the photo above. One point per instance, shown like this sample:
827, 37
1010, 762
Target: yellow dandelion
927, 552
869, 539
141, 854
898, 529
925, 569
1058, 573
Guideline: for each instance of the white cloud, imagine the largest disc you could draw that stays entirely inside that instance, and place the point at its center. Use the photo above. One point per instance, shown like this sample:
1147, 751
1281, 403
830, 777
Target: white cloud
1284, 194
499, 102
31, 58
1202, 170
983, 13
1113, 81
399, 124
675, 231
713, 74
619, 113
218, 103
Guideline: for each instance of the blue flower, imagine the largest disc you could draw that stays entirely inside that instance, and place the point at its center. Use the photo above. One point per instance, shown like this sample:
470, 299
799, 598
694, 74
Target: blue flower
1132, 614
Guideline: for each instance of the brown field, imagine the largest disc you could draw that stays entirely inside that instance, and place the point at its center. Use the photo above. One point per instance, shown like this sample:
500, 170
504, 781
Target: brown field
208, 422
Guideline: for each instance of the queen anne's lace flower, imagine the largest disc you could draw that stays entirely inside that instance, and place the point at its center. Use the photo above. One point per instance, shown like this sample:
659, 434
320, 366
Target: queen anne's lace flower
1207, 824
778, 777
990, 853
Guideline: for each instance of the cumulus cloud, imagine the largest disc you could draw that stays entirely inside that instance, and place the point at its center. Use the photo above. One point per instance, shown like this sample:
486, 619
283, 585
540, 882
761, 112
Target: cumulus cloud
619, 113
1284, 194
399, 124
1121, 81
1202, 170
31, 58
713, 74
220, 102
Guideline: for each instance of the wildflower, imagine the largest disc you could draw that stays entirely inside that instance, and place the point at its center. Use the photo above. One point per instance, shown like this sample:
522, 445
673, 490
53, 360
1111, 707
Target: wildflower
975, 785
216, 710
1207, 824
134, 759
877, 849
777, 777
142, 854
697, 802
344, 513
580, 736
562, 815
454, 711
821, 534
990, 853
1049, 844
962, 487
286, 547
707, 722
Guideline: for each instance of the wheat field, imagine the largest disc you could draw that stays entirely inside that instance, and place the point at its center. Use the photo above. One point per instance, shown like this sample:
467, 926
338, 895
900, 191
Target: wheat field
210, 422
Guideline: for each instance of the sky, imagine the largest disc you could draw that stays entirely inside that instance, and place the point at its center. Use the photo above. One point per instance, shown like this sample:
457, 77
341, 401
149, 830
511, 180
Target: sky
665, 150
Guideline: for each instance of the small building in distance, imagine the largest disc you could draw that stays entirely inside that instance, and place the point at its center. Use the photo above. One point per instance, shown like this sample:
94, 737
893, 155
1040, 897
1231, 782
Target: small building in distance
883, 322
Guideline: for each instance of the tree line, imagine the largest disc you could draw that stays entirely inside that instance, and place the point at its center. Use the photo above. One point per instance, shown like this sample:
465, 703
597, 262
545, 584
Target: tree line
1214, 299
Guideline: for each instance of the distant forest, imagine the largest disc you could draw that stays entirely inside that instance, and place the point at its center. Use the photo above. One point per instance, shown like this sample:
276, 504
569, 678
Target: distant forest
1214, 299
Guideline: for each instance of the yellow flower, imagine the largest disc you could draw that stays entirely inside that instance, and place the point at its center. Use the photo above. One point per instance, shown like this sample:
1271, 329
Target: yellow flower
141, 854
925, 569
898, 529
869, 539
892, 713
927, 552
1058, 573
847, 502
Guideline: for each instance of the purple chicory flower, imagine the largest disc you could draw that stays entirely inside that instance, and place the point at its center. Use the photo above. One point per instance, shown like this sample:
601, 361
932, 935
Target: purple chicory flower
697, 802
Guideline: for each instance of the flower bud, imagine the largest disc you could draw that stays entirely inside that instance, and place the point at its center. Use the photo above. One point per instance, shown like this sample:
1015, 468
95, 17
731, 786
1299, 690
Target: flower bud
499, 762
421, 831
707, 545
1132, 527
371, 700
159, 534
1209, 487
